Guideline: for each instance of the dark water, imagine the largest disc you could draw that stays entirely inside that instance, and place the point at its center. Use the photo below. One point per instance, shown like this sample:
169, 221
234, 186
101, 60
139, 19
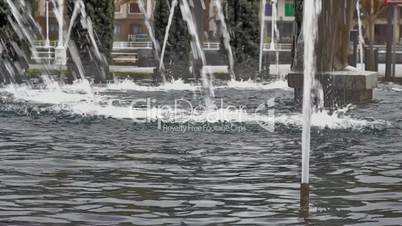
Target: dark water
61, 169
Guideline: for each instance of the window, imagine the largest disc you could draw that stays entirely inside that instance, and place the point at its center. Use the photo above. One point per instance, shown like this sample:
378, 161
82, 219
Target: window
268, 9
289, 9
117, 8
117, 29
136, 29
53, 27
134, 8
51, 6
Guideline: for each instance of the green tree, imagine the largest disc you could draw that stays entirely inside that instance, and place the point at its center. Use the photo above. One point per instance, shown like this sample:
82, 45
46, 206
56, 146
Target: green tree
242, 19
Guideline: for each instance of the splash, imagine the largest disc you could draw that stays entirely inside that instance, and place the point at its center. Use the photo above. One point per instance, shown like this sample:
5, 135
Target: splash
334, 121
320, 120
131, 85
72, 100
180, 85
52, 92
251, 85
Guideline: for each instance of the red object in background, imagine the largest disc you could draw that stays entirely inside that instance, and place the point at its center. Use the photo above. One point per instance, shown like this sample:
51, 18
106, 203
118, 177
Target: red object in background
393, 2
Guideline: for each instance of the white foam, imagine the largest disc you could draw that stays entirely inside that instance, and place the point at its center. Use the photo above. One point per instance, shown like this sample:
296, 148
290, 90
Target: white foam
321, 120
53, 94
131, 85
180, 85
394, 86
79, 86
65, 98
250, 84
324, 120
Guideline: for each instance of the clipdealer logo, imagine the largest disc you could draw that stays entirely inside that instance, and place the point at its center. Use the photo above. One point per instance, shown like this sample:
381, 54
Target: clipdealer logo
183, 116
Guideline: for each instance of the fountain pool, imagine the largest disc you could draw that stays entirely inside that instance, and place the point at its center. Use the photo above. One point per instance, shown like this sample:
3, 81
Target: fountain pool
84, 163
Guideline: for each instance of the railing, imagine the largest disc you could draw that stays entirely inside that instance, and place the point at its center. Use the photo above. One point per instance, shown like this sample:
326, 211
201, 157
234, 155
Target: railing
138, 37
131, 45
279, 46
211, 46
42, 52
42, 43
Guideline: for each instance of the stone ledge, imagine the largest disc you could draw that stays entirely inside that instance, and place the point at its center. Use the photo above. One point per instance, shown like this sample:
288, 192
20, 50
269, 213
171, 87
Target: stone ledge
340, 87
344, 80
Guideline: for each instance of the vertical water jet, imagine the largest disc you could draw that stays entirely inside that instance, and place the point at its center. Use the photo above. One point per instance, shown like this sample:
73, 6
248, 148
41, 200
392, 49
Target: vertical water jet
262, 30
198, 52
151, 33
226, 38
312, 9
167, 31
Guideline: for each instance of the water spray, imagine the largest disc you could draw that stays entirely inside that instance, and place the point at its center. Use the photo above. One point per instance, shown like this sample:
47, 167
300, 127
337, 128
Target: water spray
312, 10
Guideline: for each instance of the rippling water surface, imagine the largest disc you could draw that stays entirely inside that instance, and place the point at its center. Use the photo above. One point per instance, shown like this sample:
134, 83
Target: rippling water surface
65, 164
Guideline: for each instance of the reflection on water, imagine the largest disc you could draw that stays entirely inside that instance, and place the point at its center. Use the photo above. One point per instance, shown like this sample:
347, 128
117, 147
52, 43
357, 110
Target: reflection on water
59, 168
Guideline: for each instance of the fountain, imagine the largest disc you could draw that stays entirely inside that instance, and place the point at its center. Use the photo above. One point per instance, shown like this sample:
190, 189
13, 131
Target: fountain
19, 31
57, 138
147, 21
81, 31
166, 37
196, 45
312, 10
226, 38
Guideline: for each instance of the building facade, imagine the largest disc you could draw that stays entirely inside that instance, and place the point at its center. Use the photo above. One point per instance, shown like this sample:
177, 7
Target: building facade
380, 28
129, 21
285, 20
40, 15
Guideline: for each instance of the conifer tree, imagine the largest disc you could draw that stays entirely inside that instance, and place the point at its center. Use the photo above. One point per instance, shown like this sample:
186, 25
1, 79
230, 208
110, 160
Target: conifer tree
177, 56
